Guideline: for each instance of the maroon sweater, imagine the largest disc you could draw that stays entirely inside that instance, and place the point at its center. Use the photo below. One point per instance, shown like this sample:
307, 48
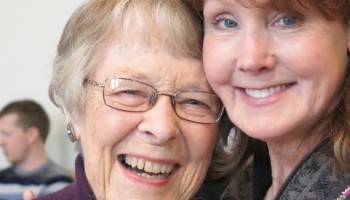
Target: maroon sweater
78, 190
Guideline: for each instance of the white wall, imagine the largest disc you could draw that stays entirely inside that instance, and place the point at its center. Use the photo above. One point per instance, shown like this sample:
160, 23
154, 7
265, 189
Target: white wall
29, 33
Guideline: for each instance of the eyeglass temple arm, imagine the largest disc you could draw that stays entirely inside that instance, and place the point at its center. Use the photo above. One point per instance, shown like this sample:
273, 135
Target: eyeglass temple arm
94, 83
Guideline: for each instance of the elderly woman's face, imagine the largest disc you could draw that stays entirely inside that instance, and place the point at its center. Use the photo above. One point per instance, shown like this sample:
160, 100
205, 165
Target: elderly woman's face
276, 73
145, 155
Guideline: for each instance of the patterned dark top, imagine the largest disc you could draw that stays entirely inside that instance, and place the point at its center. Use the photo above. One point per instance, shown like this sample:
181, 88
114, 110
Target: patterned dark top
315, 177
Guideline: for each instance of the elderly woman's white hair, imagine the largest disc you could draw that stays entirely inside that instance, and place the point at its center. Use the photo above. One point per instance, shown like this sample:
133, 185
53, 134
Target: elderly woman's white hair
91, 28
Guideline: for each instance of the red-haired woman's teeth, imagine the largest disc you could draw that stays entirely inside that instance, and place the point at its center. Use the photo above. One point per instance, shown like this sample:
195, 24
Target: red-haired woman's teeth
263, 93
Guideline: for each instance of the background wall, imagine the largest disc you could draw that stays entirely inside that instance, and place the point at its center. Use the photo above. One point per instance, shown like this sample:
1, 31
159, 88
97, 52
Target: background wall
29, 33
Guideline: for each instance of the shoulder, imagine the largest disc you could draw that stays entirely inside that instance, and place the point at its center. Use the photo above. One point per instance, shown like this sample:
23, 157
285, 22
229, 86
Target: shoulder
341, 192
7, 174
69, 192
53, 173
317, 175
54, 169
6, 169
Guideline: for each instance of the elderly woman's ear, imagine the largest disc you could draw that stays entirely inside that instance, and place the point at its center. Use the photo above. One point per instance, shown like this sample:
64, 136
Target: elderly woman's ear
72, 134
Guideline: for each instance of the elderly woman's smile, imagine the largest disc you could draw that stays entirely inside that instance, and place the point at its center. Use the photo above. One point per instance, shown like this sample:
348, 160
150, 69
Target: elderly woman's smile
148, 169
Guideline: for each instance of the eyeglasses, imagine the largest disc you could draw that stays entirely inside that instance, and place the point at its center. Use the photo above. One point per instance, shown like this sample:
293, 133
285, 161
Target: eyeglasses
135, 96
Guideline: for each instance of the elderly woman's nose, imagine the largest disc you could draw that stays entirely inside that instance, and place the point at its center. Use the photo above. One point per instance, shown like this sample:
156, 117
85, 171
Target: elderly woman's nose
160, 123
255, 54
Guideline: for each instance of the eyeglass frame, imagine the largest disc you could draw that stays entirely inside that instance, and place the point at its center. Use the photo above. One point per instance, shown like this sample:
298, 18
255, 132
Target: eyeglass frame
154, 100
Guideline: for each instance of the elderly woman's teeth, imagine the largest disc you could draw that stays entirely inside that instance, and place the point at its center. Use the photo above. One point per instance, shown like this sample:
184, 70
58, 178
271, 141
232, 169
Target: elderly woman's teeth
259, 94
148, 166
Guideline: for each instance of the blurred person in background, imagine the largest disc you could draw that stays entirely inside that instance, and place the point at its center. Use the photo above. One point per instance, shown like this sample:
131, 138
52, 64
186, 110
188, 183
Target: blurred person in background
24, 127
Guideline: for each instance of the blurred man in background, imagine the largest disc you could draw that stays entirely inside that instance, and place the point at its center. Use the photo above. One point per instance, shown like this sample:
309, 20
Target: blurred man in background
24, 127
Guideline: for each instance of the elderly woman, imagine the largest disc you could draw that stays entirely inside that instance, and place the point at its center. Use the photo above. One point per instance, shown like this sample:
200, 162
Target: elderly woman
281, 69
129, 77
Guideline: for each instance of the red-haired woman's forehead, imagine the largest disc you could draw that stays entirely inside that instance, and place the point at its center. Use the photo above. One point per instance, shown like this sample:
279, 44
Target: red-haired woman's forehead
330, 9
271, 4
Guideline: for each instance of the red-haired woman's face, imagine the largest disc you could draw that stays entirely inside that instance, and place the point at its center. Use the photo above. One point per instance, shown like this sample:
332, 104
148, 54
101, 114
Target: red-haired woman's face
276, 73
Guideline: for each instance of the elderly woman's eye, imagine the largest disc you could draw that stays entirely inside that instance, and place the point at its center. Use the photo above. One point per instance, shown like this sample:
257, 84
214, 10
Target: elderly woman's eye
194, 103
135, 92
126, 93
